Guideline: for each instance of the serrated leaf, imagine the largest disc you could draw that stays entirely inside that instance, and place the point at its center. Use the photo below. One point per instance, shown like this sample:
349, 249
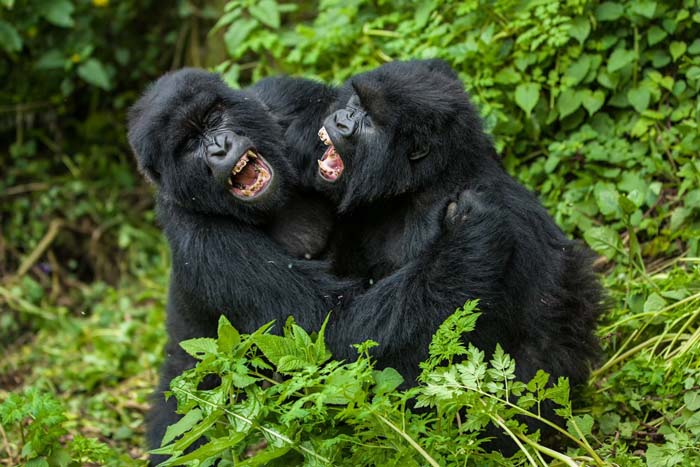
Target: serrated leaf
568, 102
619, 59
609, 11
677, 49
199, 347
10, 39
592, 101
639, 98
58, 12
266, 12
94, 73
580, 28
527, 95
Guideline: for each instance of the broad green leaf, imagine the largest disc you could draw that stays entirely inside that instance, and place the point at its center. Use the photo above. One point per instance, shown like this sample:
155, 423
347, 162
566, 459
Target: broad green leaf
644, 8
578, 70
580, 28
386, 380
236, 33
604, 240
50, 60
229, 338
677, 49
94, 73
199, 347
10, 39
694, 48
184, 424
592, 101
655, 35
692, 400
639, 98
584, 423
609, 11
527, 95
422, 14
619, 59
654, 303
568, 102
266, 12
58, 12
679, 216
606, 197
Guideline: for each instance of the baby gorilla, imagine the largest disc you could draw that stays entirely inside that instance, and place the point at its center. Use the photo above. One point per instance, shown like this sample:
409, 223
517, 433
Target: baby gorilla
403, 144
217, 157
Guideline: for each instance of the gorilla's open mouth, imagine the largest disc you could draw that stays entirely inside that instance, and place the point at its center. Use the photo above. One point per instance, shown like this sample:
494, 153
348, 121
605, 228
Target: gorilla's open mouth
251, 176
331, 165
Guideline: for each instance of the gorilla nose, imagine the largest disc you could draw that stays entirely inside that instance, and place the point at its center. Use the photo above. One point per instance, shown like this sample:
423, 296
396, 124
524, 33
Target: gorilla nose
344, 123
221, 145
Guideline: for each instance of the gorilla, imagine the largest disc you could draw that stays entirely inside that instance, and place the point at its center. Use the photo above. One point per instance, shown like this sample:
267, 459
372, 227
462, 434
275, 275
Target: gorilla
405, 141
233, 210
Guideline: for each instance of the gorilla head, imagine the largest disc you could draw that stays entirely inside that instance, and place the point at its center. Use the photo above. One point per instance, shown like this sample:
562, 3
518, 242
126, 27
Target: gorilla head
399, 128
209, 148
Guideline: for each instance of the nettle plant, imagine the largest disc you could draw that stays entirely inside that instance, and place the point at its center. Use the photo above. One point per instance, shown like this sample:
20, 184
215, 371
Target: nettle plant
281, 400
592, 103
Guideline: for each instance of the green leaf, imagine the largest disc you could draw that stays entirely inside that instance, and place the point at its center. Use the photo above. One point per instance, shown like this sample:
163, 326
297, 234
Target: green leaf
654, 303
606, 197
422, 14
639, 98
692, 400
199, 347
578, 70
52, 59
694, 48
237, 33
644, 8
266, 12
604, 240
677, 49
619, 59
582, 422
527, 95
10, 39
655, 35
94, 73
592, 101
386, 380
568, 102
580, 28
190, 419
58, 12
229, 338
609, 11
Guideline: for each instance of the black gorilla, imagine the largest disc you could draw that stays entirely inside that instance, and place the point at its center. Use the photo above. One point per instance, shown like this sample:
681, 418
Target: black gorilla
405, 141
225, 192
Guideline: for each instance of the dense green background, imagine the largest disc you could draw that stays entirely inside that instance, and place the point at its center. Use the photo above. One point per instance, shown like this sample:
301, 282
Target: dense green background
593, 104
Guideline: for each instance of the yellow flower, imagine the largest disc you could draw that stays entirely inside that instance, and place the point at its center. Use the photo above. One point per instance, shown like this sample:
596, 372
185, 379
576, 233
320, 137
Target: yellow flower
100, 3
75, 58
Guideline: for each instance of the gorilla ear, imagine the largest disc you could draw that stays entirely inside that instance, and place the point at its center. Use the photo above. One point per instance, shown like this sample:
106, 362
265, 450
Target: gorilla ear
442, 67
419, 153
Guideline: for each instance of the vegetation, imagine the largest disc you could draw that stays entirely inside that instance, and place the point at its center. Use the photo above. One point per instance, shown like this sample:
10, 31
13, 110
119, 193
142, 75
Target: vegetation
593, 104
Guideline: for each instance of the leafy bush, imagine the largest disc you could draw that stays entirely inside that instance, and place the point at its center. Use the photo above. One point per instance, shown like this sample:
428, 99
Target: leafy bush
593, 104
330, 413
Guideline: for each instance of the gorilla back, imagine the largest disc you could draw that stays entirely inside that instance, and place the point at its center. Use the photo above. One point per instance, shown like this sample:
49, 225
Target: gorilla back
217, 158
403, 144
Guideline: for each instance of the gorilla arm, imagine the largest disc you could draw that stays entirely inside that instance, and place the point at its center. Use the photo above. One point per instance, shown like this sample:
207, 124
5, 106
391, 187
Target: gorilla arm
467, 261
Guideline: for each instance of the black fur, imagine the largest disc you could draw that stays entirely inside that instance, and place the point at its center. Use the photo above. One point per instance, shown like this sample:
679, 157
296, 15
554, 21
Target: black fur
538, 294
229, 255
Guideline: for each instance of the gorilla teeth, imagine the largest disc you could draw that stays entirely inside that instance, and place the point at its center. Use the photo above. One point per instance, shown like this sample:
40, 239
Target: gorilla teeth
323, 134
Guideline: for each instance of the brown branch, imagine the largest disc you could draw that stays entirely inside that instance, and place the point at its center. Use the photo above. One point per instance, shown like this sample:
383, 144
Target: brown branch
54, 228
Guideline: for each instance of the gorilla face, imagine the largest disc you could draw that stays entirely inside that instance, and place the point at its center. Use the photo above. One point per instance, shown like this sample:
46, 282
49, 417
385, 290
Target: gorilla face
209, 148
404, 125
